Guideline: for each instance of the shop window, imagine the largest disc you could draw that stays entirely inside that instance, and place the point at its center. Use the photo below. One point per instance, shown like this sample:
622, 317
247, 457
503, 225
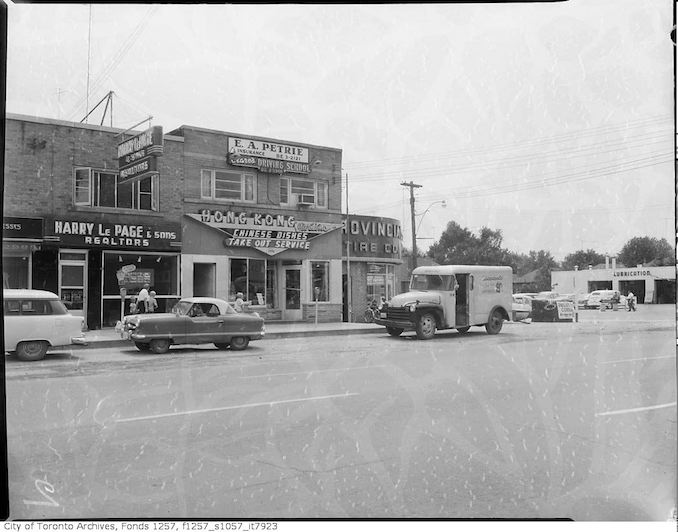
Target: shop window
303, 192
380, 282
99, 188
320, 281
249, 277
15, 271
219, 184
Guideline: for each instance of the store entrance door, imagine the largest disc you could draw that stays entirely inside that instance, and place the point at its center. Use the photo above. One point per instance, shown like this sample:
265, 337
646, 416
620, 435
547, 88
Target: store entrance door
292, 310
73, 281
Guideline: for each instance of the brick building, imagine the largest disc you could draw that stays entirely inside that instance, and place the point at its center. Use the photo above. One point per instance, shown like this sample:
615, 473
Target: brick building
92, 213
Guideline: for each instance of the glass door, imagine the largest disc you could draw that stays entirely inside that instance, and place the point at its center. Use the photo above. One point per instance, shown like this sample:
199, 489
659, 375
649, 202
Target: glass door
292, 308
73, 281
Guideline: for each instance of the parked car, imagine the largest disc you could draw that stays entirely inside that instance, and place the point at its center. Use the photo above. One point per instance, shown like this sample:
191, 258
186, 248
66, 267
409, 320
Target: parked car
605, 296
582, 300
36, 321
522, 307
194, 320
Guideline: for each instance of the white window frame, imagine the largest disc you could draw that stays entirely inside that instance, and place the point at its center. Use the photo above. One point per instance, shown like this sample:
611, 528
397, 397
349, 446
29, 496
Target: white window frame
208, 185
93, 193
320, 192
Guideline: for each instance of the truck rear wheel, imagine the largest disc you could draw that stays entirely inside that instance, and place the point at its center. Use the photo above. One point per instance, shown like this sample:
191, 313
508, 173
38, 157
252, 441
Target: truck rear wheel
394, 331
426, 326
494, 324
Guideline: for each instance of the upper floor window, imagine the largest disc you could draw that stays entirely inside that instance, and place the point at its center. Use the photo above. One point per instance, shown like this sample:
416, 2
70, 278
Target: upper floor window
303, 192
219, 184
100, 188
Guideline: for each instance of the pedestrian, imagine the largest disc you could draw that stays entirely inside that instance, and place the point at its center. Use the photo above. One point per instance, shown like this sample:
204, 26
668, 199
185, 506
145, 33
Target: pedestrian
142, 299
631, 302
239, 304
151, 303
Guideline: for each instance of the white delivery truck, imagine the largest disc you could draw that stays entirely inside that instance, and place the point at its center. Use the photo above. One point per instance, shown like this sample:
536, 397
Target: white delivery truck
451, 297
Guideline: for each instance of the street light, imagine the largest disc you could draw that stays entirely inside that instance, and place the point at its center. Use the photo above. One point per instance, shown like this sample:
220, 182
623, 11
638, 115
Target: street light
442, 202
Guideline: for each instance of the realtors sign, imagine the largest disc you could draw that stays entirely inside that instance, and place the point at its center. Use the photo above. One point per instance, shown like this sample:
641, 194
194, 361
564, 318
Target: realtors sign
137, 157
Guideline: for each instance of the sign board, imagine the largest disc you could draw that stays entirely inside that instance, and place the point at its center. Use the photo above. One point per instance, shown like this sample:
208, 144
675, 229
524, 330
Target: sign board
137, 156
272, 166
267, 150
116, 235
268, 233
565, 310
14, 227
373, 237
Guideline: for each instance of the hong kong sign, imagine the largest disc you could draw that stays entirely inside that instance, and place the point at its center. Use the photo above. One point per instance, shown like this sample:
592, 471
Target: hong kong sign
268, 233
137, 156
118, 236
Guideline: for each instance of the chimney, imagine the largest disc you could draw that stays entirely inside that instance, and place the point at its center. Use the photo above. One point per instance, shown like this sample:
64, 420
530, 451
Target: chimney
614, 263
607, 263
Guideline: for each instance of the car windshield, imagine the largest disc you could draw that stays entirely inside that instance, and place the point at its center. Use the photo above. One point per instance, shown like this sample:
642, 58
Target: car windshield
182, 308
430, 282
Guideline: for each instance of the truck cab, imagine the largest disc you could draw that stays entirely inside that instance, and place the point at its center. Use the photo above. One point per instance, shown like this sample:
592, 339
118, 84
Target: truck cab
451, 297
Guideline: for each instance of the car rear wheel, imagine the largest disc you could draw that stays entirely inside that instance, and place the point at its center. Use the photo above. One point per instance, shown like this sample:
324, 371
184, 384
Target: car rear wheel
495, 323
160, 346
221, 345
394, 331
463, 330
142, 347
426, 326
238, 343
31, 351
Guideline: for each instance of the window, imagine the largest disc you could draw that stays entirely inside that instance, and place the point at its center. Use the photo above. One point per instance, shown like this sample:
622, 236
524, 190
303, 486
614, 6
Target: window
380, 282
320, 284
249, 277
218, 184
303, 191
99, 188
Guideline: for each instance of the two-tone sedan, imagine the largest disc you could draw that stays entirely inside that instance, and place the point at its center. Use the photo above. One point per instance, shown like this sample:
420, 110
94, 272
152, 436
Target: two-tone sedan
195, 320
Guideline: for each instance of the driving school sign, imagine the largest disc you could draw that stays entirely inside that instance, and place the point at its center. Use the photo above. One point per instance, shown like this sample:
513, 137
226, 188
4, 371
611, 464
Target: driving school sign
137, 157
268, 233
268, 156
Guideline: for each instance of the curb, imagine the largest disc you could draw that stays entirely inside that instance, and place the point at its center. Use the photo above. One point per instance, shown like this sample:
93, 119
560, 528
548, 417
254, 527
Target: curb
268, 336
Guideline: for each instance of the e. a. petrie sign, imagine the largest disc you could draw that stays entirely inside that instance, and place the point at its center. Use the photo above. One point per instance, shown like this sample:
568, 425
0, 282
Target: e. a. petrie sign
137, 157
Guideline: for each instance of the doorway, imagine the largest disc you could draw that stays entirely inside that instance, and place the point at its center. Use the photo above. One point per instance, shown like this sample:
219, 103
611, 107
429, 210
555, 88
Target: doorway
292, 310
73, 281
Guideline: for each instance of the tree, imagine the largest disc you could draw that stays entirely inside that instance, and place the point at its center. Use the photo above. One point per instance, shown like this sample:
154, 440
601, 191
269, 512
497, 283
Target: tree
544, 262
582, 259
644, 249
458, 245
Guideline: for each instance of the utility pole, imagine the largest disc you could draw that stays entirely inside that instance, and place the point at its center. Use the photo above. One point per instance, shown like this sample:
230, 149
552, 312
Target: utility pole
412, 186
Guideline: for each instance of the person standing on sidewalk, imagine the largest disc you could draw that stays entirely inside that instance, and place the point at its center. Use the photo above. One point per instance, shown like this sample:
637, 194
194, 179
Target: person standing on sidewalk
631, 300
142, 299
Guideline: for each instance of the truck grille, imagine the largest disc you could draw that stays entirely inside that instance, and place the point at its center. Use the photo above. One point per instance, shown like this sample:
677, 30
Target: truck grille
398, 314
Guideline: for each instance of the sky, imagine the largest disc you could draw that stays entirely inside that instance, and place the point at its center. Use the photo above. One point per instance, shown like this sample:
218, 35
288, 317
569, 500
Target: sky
552, 122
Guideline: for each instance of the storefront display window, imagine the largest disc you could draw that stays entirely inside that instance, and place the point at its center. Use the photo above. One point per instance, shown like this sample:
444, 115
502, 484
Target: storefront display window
380, 282
271, 284
249, 277
15, 272
320, 281
160, 272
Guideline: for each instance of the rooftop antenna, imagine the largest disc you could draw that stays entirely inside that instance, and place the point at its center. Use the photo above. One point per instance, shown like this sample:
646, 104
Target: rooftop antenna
89, 38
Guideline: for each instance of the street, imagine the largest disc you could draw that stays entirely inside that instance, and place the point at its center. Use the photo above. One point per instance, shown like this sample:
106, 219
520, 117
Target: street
543, 420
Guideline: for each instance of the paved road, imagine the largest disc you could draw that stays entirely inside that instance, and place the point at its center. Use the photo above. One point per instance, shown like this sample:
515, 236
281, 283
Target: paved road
543, 420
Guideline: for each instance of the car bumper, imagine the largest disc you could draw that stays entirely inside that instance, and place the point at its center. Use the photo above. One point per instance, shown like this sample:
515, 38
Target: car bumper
394, 324
79, 340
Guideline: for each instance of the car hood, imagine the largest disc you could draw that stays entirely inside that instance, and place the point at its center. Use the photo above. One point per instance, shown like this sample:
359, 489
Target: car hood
413, 297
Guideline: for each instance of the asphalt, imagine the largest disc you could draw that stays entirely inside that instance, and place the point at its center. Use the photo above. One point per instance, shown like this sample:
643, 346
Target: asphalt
646, 314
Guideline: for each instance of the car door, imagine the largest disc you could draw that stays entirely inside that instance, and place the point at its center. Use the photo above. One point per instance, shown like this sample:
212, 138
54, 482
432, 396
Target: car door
205, 324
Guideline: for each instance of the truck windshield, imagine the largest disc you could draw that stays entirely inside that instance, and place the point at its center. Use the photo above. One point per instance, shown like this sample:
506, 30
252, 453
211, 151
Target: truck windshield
430, 282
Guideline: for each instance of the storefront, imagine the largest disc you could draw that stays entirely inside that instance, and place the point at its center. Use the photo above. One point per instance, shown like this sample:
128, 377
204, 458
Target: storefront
100, 265
649, 284
22, 240
372, 249
287, 269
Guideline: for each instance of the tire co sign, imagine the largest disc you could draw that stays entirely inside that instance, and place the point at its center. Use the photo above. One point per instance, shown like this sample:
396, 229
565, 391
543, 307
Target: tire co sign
137, 157
268, 233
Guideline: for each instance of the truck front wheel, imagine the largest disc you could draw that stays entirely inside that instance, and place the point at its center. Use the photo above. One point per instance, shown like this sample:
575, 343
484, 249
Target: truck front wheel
426, 326
493, 326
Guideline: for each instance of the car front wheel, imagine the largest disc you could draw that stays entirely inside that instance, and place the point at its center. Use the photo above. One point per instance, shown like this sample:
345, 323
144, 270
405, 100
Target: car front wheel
426, 326
31, 351
494, 325
238, 343
160, 346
